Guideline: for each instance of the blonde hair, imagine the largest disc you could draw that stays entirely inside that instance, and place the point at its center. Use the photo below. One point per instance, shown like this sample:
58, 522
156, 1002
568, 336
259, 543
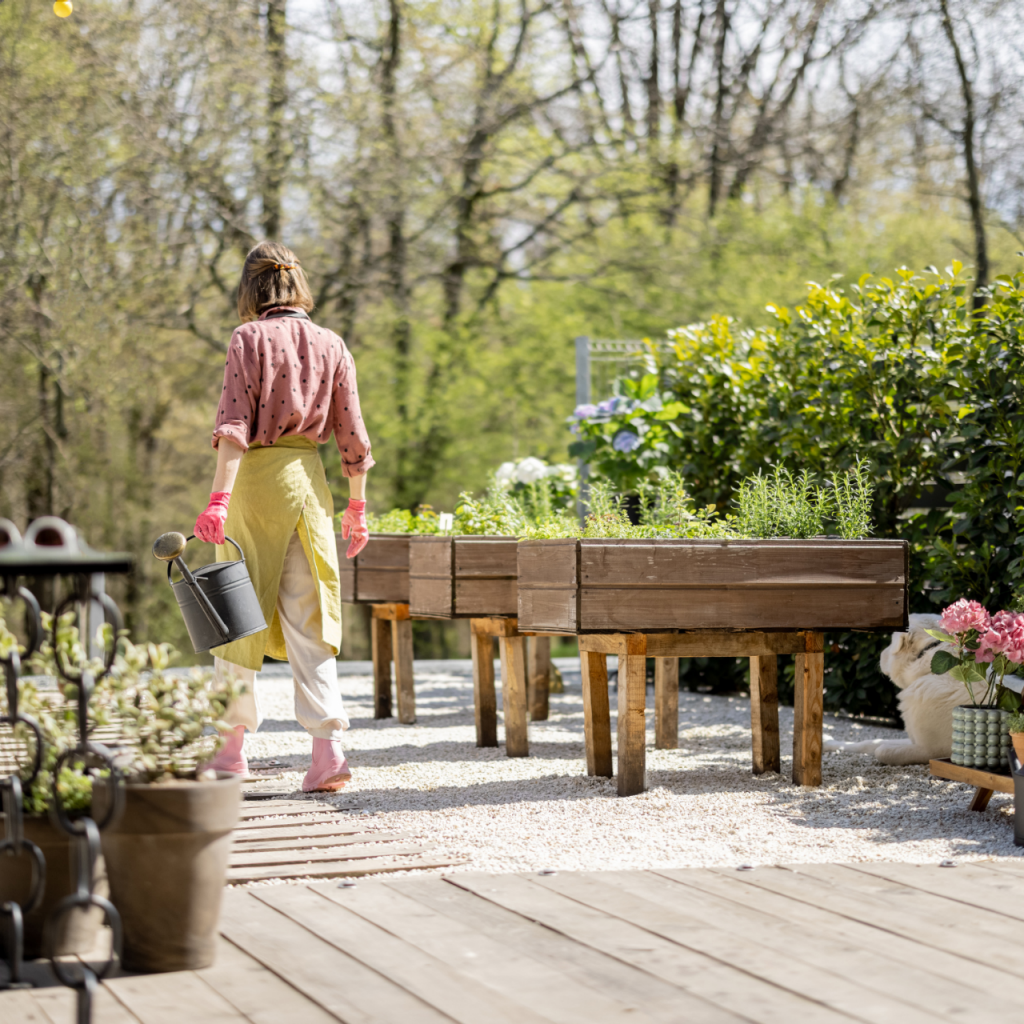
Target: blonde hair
271, 276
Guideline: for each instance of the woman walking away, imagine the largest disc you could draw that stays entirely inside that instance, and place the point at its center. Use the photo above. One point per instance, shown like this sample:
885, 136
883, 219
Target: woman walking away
288, 385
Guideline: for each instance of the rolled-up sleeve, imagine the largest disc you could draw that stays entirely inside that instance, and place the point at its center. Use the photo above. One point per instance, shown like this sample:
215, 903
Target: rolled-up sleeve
349, 429
240, 394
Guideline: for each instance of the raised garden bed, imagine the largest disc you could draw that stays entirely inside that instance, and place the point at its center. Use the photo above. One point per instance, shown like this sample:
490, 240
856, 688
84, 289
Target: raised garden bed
379, 573
462, 577
603, 585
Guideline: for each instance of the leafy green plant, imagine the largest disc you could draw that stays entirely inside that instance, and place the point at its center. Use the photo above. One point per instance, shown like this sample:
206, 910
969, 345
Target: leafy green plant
780, 504
401, 520
1015, 723
852, 494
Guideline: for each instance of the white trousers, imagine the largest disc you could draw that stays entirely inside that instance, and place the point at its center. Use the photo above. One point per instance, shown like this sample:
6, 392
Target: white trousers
318, 705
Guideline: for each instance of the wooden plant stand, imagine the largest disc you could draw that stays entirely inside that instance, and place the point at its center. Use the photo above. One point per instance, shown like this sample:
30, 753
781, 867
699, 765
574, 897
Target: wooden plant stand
633, 650
985, 783
391, 640
525, 681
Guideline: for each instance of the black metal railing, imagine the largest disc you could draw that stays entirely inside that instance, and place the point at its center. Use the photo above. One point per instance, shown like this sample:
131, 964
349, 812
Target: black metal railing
51, 549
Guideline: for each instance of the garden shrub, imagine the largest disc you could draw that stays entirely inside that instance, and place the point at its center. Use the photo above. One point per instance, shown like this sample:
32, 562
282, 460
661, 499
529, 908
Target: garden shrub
900, 372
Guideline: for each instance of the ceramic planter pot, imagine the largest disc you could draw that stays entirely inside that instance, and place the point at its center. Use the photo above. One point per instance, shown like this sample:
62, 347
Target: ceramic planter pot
1017, 738
980, 738
76, 930
167, 858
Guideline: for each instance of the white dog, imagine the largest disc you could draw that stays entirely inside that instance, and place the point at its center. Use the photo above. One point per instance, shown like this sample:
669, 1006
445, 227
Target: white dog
926, 700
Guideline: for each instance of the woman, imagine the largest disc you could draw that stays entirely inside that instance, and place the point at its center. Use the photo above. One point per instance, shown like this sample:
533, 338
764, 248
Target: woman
288, 385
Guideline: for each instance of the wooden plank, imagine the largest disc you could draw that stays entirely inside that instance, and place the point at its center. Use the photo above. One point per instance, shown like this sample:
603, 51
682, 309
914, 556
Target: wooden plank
314, 816
717, 983
943, 768
538, 677
393, 611
59, 1005
485, 701
705, 564
346, 571
335, 980
547, 564
764, 714
632, 731
297, 856
173, 998
339, 868
486, 557
808, 714
322, 842
608, 643
597, 730
492, 625
827, 946
989, 979
547, 609
430, 577
361, 922
979, 802
401, 647
379, 585
479, 597
513, 981
282, 808
718, 644
966, 932
380, 648
766, 608
513, 695
682, 919
650, 996
289, 831
967, 883
256, 992
666, 703
17, 1005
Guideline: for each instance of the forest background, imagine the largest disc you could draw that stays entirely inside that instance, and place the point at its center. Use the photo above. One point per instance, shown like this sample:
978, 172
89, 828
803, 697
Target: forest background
469, 186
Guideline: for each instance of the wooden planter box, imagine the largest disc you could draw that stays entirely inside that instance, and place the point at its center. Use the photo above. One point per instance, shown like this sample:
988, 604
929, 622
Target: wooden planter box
379, 573
462, 577
594, 586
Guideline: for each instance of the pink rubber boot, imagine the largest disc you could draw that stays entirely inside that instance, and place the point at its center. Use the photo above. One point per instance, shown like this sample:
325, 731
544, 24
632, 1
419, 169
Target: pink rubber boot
231, 757
329, 770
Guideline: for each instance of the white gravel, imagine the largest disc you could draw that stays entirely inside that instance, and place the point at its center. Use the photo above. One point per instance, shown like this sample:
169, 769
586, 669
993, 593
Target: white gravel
703, 807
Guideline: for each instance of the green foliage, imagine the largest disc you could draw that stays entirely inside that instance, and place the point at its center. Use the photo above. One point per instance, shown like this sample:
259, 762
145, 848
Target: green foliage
401, 520
1015, 723
780, 504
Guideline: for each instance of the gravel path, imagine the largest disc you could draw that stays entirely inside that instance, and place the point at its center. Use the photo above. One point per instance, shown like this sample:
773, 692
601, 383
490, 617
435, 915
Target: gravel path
703, 807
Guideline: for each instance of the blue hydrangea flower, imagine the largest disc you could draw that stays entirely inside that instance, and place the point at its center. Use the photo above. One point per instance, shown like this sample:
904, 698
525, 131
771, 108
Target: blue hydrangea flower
584, 412
625, 441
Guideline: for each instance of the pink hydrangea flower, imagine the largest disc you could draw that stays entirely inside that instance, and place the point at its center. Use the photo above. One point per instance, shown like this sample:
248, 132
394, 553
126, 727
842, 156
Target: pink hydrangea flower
963, 615
1005, 635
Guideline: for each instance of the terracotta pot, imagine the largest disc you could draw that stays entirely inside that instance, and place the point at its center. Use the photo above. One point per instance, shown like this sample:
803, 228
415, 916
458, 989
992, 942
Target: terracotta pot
76, 930
1017, 739
167, 858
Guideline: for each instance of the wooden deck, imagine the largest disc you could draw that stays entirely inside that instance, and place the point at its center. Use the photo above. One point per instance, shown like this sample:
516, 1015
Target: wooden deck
885, 943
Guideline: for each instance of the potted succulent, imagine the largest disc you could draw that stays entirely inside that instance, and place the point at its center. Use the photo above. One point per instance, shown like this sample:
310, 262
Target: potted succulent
982, 650
167, 854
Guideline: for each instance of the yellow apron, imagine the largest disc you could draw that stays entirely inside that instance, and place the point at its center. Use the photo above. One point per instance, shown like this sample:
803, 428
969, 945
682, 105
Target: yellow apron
282, 488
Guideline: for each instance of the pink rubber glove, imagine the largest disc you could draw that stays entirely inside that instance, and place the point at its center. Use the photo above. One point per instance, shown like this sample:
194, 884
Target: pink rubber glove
353, 523
210, 524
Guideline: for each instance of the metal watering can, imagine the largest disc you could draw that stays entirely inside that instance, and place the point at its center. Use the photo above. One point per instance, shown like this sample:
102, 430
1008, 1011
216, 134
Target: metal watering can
218, 602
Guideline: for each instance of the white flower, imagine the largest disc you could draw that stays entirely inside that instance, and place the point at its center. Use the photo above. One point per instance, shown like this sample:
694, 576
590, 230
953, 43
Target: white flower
506, 474
563, 471
530, 470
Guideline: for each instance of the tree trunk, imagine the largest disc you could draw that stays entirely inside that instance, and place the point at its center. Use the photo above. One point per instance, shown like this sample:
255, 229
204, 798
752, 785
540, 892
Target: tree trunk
716, 170
969, 137
653, 86
276, 157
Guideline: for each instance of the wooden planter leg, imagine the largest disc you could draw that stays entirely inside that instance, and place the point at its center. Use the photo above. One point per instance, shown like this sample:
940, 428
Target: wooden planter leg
666, 703
808, 704
981, 798
632, 728
597, 726
764, 713
513, 694
380, 645
401, 642
484, 698
538, 676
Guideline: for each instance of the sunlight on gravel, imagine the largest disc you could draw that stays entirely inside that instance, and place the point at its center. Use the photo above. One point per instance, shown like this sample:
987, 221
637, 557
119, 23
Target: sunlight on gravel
702, 807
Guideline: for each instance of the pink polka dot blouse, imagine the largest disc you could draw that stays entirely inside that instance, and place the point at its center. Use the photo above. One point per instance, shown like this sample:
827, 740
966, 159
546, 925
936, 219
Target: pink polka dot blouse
286, 377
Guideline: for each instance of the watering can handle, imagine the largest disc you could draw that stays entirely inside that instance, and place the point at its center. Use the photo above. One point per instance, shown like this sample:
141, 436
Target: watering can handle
169, 548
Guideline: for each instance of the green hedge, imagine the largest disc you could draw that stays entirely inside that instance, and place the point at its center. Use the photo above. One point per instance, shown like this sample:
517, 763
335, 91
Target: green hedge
900, 371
